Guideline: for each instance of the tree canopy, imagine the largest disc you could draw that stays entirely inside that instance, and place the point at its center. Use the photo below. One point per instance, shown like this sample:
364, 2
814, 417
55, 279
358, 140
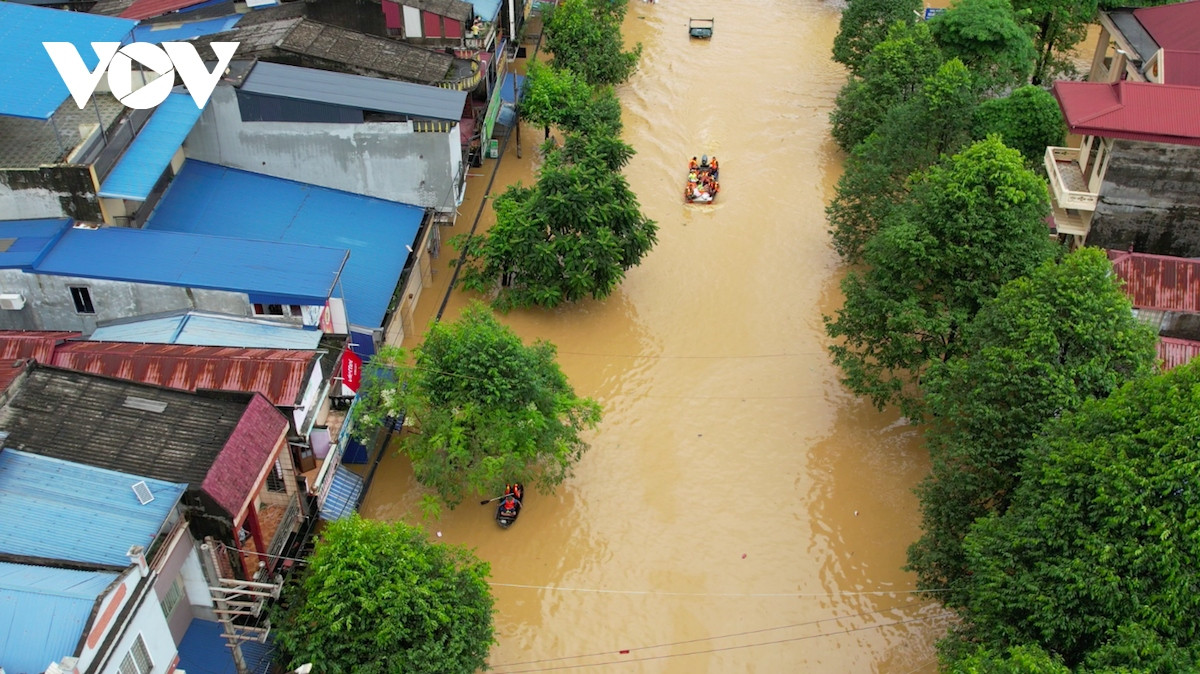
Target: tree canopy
1058, 26
1027, 120
985, 34
864, 24
971, 223
1046, 344
585, 37
1095, 559
379, 598
487, 408
571, 236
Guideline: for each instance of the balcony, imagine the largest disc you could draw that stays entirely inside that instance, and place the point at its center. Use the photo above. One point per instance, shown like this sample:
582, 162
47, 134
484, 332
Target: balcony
1067, 181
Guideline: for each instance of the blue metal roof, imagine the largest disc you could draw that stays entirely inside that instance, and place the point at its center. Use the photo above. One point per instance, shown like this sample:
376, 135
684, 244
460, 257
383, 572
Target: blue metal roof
62, 510
486, 9
30, 85
150, 153
209, 199
28, 239
43, 613
177, 32
288, 273
198, 329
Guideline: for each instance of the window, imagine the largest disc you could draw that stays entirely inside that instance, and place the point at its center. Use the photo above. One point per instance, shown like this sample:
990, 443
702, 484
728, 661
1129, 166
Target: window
171, 600
276, 309
83, 300
137, 660
275, 481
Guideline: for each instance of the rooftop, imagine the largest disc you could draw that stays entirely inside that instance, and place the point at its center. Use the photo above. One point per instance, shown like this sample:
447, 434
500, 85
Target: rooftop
29, 143
455, 9
356, 91
44, 612
1181, 67
1174, 352
18, 346
203, 329
1160, 113
62, 510
30, 85
289, 273
145, 9
1159, 282
218, 201
1175, 26
279, 375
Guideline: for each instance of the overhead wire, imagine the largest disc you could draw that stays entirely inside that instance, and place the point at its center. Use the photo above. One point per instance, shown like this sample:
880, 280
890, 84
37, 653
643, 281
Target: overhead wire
824, 595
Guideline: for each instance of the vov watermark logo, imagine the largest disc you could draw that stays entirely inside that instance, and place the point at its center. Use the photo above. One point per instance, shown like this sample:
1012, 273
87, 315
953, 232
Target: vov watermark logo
118, 61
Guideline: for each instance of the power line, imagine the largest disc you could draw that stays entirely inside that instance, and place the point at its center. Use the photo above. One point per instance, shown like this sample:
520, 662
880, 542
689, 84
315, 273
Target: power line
823, 595
709, 638
730, 648
696, 357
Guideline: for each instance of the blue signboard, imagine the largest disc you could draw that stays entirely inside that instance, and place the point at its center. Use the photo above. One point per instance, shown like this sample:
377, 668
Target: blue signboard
931, 12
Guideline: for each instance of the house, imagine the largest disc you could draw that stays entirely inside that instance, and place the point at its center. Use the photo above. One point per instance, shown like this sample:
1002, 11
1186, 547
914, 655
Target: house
390, 243
57, 276
1165, 293
1131, 181
228, 448
97, 568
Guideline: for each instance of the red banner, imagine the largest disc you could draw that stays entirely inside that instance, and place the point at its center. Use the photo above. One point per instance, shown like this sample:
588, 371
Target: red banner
351, 370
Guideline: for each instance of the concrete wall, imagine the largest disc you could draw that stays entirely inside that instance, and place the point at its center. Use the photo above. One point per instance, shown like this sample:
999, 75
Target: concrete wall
1150, 200
379, 159
48, 192
48, 303
170, 569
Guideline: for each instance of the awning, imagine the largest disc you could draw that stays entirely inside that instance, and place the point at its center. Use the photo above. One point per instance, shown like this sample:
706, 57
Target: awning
343, 495
178, 32
148, 156
506, 91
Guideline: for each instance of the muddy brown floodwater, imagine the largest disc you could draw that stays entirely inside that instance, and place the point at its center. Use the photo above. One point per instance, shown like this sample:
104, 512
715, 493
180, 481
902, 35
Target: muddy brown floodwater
738, 511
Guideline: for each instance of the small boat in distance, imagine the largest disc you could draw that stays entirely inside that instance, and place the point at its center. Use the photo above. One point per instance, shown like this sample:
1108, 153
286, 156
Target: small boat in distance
702, 186
510, 505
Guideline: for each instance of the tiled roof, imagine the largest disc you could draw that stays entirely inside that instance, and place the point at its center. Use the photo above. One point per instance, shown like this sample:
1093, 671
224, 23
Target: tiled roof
1175, 26
1175, 352
1159, 282
18, 346
63, 510
1160, 113
246, 455
280, 375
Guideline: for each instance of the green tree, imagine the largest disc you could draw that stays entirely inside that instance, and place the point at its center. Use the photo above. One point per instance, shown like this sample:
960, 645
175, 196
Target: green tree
554, 96
1058, 26
1047, 343
972, 222
571, 236
1015, 660
487, 408
379, 598
585, 37
986, 36
864, 24
1028, 120
875, 178
893, 72
1103, 532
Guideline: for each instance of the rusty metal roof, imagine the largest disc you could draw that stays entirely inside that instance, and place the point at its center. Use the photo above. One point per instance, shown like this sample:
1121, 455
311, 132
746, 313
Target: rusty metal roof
1158, 113
18, 346
1159, 282
1174, 352
278, 374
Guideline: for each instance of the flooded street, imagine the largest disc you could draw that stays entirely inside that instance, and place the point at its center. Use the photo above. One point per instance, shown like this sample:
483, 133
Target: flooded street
738, 511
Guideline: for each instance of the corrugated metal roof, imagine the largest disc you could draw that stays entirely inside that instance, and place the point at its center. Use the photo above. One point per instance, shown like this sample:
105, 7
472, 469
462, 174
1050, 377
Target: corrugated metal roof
143, 163
28, 239
219, 201
199, 329
1159, 113
1159, 282
292, 272
278, 374
455, 9
145, 9
355, 91
234, 473
18, 346
161, 31
1175, 352
1181, 67
1174, 26
62, 510
30, 85
44, 611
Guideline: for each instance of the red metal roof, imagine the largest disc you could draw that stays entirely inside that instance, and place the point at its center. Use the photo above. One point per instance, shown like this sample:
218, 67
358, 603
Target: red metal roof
1174, 26
278, 374
1175, 352
1159, 282
145, 9
17, 346
249, 452
1159, 113
1181, 67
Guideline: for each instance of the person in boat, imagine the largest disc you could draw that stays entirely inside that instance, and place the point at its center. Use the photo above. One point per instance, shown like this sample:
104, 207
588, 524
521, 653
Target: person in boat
515, 489
692, 164
509, 507
712, 164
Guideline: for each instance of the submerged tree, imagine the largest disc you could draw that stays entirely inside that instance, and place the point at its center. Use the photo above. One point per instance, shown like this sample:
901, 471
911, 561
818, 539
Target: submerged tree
864, 24
585, 37
1058, 26
1028, 120
486, 408
378, 598
985, 34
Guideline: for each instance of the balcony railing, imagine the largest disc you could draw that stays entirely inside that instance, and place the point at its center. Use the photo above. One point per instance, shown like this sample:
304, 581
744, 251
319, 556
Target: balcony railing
1067, 180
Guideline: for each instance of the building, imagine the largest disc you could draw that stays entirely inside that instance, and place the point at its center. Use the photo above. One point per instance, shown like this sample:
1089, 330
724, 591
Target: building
199, 328
1165, 293
57, 276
